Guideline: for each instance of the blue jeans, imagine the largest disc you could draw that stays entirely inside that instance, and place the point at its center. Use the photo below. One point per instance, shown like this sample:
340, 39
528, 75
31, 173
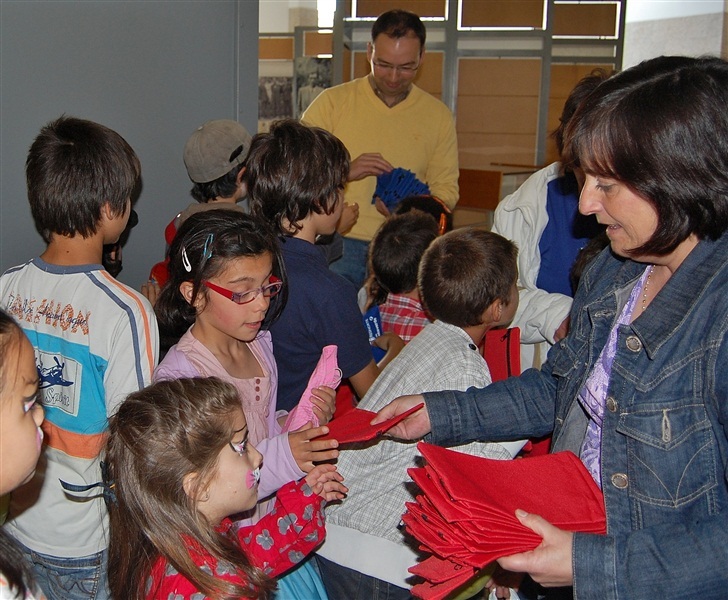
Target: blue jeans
353, 265
342, 582
81, 578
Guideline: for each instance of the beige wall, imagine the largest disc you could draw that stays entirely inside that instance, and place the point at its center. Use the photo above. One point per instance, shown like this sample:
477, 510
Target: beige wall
690, 36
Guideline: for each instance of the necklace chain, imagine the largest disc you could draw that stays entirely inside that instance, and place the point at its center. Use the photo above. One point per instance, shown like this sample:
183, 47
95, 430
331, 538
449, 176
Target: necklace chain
644, 289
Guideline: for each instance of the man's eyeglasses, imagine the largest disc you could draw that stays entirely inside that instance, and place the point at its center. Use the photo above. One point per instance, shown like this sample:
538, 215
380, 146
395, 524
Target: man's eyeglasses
387, 68
271, 289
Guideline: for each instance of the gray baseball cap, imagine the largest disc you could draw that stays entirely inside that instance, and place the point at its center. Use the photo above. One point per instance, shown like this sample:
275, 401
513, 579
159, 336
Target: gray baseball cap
213, 149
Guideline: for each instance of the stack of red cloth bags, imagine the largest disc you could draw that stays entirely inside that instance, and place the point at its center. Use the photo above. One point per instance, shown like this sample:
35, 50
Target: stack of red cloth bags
465, 516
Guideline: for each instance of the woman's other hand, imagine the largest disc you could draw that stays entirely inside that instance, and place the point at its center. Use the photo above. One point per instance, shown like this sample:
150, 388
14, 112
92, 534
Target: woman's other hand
550, 563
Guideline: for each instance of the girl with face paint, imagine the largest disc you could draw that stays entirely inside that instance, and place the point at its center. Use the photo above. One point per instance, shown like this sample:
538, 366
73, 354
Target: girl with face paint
180, 464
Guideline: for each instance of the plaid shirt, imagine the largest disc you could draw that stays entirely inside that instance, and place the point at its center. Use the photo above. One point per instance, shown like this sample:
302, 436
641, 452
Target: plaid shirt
402, 315
442, 357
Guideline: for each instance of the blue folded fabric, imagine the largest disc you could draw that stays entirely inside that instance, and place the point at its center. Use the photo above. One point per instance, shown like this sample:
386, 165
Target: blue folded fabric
398, 184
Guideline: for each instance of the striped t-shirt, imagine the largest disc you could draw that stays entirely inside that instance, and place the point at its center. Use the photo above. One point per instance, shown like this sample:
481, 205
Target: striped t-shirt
95, 341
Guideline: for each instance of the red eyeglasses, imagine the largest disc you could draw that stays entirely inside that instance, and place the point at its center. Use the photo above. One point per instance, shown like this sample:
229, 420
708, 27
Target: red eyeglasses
271, 289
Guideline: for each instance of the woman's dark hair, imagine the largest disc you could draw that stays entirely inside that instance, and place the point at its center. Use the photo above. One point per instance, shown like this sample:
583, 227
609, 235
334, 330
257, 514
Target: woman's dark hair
12, 563
295, 170
205, 243
158, 436
463, 272
661, 129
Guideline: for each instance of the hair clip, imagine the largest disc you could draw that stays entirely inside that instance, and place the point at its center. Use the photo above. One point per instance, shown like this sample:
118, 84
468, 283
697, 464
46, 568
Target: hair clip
207, 248
186, 261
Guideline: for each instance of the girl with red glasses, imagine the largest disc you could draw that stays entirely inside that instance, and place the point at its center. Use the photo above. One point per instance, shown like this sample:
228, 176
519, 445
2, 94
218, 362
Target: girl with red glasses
226, 285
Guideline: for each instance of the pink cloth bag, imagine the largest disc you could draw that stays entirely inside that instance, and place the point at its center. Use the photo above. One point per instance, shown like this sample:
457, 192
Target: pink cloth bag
326, 373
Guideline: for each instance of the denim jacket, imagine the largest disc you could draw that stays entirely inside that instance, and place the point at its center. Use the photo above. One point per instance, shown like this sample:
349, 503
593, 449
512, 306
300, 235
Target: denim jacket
665, 432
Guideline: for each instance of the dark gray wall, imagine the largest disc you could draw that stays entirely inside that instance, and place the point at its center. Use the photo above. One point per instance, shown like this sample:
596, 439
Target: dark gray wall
151, 70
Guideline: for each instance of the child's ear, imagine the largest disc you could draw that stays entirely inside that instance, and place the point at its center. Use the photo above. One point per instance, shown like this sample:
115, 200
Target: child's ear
186, 288
493, 314
107, 214
106, 211
498, 309
190, 486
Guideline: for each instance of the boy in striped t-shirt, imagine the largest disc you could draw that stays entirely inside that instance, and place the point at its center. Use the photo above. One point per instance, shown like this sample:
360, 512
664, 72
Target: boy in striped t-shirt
95, 341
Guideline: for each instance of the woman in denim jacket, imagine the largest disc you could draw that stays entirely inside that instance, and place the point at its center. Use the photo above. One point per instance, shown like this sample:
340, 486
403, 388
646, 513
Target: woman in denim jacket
639, 387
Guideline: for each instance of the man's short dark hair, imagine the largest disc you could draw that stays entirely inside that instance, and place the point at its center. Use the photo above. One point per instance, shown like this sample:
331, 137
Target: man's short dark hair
73, 168
396, 250
399, 23
661, 128
295, 170
463, 272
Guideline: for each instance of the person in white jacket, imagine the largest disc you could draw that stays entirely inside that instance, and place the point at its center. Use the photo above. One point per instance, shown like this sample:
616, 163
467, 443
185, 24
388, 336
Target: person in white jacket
543, 219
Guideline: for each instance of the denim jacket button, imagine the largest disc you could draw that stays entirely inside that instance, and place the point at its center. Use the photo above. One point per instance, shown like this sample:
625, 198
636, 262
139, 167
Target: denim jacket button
611, 404
634, 344
619, 480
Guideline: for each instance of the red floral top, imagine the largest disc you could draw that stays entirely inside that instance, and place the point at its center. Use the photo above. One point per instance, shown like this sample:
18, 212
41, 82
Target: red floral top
277, 542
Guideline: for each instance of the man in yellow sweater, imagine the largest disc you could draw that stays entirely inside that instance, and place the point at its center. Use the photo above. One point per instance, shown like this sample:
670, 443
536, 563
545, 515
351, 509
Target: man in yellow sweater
385, 121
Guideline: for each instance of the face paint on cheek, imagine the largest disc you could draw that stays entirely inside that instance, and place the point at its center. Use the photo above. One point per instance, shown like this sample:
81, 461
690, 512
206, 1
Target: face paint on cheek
252, 478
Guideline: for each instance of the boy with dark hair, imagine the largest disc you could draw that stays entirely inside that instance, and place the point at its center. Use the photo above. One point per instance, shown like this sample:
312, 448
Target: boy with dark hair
394, 258
295, 177
95, 341
366, 555
214, 157
469, 279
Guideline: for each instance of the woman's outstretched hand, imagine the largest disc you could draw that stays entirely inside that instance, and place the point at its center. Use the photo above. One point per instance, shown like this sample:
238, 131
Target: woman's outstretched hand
413, 427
